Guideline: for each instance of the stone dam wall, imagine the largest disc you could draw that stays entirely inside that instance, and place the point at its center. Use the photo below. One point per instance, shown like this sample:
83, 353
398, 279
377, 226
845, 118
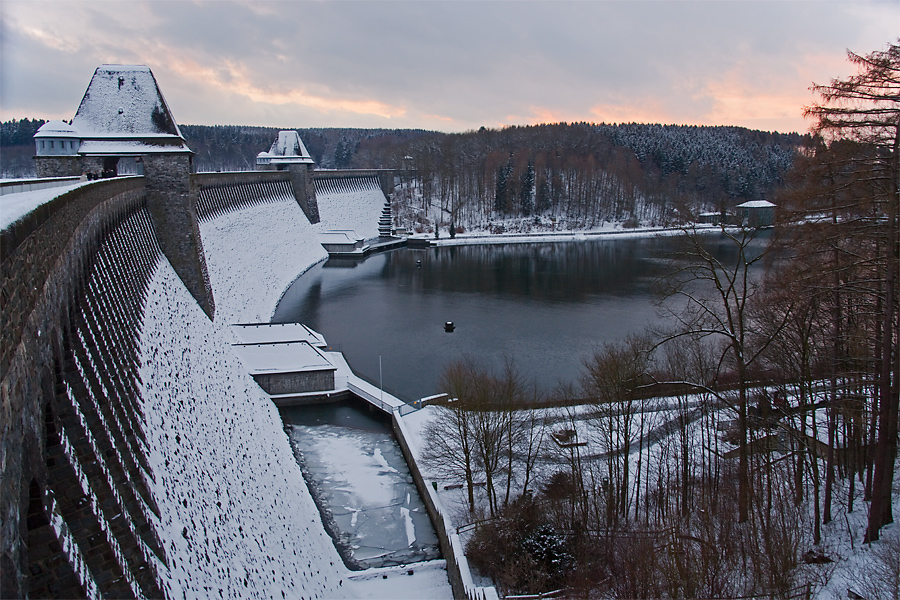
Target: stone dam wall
80, 512
75, 498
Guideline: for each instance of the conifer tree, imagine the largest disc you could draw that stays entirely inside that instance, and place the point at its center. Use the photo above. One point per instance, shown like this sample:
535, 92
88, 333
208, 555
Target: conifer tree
865, 109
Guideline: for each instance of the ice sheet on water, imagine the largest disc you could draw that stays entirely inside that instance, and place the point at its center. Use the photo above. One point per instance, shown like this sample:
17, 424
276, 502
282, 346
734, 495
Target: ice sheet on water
362, 482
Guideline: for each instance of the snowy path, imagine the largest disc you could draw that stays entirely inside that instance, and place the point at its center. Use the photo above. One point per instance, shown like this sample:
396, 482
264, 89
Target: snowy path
15, 206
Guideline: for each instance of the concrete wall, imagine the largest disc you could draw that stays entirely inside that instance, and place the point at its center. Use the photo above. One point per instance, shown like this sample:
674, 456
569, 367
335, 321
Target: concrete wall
74, 502
296, 383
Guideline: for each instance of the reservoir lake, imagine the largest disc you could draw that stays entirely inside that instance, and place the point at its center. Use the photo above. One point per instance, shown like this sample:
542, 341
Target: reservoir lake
546, 306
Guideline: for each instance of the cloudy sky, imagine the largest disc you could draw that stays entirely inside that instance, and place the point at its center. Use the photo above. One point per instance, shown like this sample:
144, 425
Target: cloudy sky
449, 66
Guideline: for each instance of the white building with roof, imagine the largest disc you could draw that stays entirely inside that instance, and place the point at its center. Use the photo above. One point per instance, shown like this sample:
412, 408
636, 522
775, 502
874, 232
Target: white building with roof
123, 115
756, 213
288, 149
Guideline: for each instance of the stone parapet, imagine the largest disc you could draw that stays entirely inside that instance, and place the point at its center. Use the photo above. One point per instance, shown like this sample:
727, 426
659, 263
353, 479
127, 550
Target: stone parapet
75, 498
32, 246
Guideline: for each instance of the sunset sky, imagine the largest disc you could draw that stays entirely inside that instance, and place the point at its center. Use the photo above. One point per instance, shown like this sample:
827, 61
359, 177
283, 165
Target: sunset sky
449, 66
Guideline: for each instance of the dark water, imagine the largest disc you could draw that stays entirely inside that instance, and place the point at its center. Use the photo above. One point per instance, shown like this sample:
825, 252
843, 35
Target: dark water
548, 306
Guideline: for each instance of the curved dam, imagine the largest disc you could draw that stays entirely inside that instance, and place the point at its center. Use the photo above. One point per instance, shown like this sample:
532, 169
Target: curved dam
138, 457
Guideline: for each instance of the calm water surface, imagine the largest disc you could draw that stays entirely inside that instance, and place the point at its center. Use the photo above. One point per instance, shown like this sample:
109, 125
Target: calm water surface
547, 305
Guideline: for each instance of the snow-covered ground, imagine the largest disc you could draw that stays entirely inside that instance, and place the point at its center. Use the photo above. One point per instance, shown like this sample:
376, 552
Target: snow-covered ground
856, 566
560, 236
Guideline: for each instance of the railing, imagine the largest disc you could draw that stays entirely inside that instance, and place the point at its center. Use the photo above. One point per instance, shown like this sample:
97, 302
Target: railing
371, 398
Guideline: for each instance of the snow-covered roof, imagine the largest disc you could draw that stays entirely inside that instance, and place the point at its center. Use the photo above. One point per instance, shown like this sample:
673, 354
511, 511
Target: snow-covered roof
124, 102
257, 333
56, 129
756, 204
120, 147
338, 237
290, 357
287, 148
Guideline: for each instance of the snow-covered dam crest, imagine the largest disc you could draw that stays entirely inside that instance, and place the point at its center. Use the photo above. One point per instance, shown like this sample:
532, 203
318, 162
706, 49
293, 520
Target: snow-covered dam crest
139, 459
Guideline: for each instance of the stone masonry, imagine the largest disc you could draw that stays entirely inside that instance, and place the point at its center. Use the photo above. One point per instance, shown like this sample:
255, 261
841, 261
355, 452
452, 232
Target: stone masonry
75, 496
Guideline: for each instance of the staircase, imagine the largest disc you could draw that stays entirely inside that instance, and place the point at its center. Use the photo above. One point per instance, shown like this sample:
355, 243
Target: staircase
385, 223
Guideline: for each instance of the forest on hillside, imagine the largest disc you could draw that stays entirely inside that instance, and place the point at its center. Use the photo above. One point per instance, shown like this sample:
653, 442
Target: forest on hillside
583, 174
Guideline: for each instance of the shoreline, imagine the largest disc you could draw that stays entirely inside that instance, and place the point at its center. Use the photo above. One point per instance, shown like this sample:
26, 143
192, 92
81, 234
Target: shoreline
465, 239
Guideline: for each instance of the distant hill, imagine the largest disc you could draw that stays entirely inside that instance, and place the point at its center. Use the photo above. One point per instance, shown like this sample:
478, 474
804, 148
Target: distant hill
583, 172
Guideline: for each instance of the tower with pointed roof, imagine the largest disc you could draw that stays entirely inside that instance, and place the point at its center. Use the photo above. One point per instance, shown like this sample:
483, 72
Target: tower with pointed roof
123, 118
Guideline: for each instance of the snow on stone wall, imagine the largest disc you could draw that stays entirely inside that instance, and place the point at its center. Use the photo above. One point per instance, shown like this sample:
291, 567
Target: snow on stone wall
348, 206
254, 254
237, 519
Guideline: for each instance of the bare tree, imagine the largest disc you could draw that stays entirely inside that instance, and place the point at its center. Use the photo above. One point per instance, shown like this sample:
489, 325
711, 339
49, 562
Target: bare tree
612, 377
718, 290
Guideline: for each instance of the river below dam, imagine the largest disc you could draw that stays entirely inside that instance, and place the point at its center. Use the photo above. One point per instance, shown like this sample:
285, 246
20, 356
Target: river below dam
361, 483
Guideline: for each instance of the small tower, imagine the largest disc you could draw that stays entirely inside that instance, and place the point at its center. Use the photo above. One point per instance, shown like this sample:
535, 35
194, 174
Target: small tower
289, 154
386, 221
286, 150
123, 116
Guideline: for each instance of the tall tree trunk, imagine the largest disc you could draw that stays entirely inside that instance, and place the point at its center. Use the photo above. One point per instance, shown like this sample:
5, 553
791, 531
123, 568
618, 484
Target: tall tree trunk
880, 513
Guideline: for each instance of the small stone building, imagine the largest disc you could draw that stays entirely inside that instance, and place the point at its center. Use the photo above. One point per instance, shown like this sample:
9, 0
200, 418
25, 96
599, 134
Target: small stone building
122, 123
756, 213
286, 368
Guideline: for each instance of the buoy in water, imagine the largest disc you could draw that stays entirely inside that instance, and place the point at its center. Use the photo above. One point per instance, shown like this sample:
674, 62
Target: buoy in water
449, 326
419, 263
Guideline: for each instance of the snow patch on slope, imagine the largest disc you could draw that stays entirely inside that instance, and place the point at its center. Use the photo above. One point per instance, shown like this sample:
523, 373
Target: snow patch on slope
357, 210
237, 519
254, 254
